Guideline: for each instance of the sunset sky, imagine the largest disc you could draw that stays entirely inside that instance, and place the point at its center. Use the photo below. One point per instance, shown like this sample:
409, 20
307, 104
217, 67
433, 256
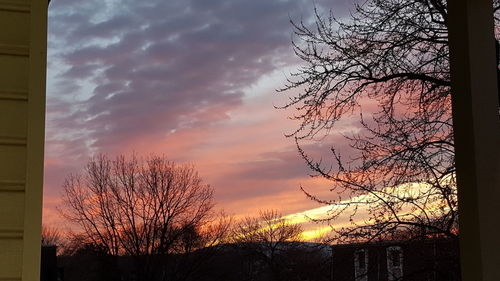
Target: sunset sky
194, 80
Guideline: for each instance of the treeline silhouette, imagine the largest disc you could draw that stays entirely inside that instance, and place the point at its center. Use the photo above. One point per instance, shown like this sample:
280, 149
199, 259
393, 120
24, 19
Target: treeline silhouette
266, 247
246, 261
431, 259
148, 218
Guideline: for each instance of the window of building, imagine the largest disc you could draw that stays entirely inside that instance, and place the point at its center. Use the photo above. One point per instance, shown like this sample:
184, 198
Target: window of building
361, 259
394, 263
361, 265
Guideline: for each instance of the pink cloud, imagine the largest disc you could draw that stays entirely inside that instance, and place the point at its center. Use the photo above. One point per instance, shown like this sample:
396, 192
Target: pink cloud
141, 78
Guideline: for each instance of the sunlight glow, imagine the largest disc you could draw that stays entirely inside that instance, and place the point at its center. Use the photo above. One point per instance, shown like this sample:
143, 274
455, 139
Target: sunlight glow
419, 192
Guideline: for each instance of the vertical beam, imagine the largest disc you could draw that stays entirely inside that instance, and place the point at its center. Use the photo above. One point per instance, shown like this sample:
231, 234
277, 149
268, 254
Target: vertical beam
22, 109
477, 142
35, 141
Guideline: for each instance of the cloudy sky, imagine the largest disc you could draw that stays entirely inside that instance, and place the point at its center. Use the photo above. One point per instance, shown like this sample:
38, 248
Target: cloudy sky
191, 79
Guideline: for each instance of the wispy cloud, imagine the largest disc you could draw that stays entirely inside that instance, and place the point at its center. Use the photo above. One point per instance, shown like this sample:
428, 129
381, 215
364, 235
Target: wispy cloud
181, 78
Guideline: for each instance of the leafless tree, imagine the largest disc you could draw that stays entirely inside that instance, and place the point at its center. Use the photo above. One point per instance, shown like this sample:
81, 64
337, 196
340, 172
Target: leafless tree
269, 227
51, 236
196, 248
388, 64
148, 208
267, 238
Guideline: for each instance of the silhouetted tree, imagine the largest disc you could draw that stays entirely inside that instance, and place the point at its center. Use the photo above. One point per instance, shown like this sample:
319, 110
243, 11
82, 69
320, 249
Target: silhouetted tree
387, 64
196, 249
147, 209
267, 238
51, 236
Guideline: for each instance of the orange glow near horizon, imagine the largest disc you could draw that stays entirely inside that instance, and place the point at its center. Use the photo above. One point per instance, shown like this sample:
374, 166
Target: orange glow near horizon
314, 231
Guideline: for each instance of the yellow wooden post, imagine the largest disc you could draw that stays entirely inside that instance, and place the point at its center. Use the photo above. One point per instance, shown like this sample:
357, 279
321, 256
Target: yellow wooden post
23, 36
